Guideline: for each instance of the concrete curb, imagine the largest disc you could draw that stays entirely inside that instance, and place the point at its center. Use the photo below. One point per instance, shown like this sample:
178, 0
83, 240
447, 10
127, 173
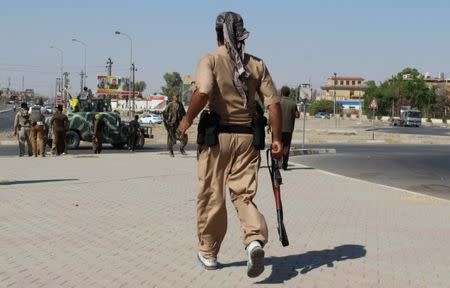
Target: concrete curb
297, 152
8, 142
7, 110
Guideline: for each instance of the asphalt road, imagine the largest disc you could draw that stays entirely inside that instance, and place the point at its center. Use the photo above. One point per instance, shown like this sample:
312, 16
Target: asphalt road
419, 168
6, 121
434, 131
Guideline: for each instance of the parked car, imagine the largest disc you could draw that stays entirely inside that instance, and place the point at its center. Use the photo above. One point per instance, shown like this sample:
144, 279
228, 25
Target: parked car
151, 119
322, 115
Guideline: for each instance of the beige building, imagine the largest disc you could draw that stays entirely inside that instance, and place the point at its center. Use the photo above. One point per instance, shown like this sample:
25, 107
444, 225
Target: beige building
344, 87
441, 83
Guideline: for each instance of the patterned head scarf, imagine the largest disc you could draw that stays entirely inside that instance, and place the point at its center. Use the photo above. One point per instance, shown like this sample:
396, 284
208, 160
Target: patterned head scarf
234, 35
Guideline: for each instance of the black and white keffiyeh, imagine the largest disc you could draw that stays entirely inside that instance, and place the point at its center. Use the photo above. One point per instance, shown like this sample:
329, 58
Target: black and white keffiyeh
235, 34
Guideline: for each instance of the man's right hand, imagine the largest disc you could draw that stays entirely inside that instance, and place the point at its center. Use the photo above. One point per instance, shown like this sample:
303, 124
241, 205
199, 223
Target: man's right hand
277, 149
184, 125
15, 133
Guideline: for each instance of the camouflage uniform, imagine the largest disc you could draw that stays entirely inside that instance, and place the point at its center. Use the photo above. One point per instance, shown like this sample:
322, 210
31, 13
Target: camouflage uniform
22, 129
133, 135
97, 141
172, 115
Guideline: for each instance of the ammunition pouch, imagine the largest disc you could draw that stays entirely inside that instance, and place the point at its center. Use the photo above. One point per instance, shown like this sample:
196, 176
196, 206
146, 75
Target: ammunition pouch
259, 122
208, 129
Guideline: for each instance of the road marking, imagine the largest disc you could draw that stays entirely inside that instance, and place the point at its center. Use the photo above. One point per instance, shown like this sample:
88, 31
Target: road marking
414, 196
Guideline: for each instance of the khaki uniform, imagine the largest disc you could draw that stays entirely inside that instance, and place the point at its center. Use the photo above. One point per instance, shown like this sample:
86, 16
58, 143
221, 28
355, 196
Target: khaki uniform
22, 128
59, 123
38, 138
234, 162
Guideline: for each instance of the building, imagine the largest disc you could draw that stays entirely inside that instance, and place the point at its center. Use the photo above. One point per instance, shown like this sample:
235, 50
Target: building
348, 91
440, 82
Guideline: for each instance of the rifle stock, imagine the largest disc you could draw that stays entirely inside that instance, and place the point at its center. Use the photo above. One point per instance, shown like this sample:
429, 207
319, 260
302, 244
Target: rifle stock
275, 177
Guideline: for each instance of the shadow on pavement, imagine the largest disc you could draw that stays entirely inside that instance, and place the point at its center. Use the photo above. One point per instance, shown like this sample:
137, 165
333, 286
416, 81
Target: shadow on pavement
21, 182
286, 268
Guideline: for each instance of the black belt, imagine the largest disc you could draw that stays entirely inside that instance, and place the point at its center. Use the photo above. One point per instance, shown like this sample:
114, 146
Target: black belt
235, 129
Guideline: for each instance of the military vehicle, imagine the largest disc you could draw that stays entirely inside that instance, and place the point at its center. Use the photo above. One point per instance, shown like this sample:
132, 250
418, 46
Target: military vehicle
81, 126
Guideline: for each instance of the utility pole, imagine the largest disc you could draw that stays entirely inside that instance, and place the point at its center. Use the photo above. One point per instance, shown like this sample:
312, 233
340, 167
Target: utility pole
132, 88
23, 83
109, 66
65, 86
334, 107
82, 81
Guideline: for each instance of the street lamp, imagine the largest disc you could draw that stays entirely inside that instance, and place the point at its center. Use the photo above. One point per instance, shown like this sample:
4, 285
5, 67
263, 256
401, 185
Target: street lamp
131, 65
61, 52
83, 74
304, 101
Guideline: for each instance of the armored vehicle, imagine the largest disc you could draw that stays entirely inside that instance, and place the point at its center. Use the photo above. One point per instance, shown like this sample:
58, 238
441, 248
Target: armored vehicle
82, 123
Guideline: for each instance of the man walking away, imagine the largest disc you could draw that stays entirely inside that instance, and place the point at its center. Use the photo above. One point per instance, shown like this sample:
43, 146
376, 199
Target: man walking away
133, 130
59, 124
289, 112
22, 129
228, 80
97, 141
172, 116
37, 120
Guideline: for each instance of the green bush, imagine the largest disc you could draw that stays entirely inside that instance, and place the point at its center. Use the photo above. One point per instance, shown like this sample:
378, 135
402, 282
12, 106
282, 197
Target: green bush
348, 114
444, 120
429, 119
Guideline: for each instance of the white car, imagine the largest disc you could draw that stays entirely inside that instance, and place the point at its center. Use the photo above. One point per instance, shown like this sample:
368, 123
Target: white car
151, 119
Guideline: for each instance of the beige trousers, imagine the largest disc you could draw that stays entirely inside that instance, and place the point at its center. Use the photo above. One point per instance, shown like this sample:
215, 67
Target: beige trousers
38, 140
234, 163
24, 138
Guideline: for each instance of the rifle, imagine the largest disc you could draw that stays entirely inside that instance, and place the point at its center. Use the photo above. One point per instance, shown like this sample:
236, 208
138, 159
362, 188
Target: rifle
275, 177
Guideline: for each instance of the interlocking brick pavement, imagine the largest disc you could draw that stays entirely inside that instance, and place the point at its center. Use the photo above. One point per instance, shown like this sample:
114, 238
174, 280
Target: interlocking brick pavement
128, 220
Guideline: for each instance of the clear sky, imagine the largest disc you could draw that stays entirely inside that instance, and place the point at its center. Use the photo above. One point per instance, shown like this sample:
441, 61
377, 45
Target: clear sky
299, 40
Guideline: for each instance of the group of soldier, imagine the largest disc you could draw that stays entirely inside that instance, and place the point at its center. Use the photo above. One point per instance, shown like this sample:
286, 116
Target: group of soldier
31, 130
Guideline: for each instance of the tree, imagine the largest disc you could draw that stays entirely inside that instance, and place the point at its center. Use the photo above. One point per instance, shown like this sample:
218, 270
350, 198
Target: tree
407, 88
140, 86
321, 106
173, 84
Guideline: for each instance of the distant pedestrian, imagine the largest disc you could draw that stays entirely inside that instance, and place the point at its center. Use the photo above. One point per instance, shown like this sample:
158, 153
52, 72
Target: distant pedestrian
289, 112
97, 141
37, 121
22, 129
172, 116
60, 125
133, 133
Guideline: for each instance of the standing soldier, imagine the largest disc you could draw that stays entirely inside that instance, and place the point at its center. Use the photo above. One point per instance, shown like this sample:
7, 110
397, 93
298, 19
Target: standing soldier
22, 129
172, 116
228, 80
59, 124
133, 130
289, 112
37, 120
97, 141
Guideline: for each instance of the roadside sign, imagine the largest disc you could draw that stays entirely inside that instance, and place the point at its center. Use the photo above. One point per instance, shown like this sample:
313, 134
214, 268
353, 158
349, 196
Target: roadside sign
373, 104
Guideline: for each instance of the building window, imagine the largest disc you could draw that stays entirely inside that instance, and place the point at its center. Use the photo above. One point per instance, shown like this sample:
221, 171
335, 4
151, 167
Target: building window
342, 82
353, 82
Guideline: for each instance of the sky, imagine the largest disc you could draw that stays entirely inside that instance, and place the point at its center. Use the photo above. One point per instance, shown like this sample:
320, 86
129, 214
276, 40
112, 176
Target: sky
300, 41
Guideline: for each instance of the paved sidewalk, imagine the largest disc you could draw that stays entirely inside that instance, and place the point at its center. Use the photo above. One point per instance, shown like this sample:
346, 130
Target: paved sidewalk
128, 220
